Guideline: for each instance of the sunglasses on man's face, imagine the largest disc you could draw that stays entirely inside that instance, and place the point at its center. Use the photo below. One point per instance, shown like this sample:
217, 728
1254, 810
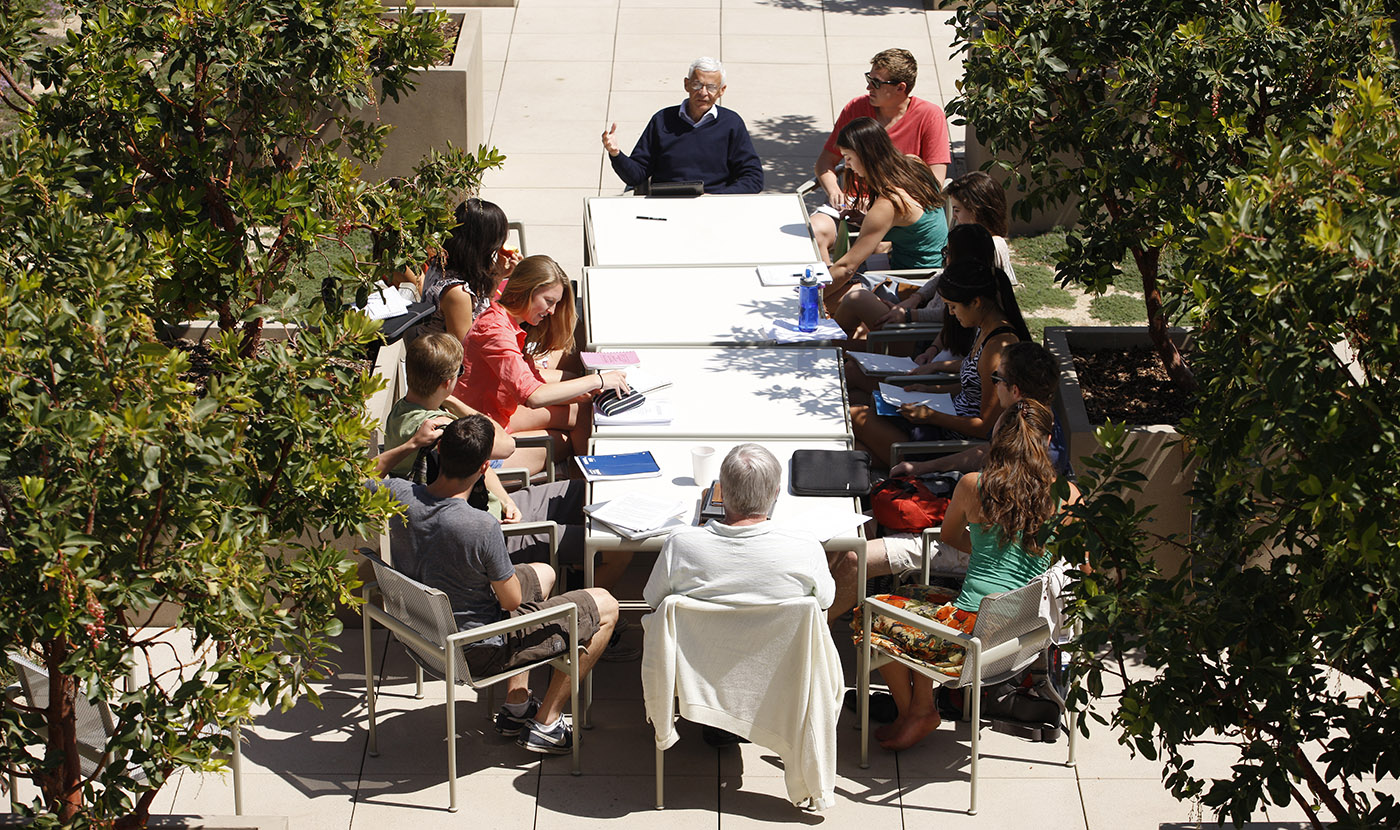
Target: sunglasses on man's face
997, 378
876, 82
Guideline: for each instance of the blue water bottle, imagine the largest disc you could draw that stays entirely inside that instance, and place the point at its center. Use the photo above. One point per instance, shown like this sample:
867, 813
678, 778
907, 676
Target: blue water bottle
810, 292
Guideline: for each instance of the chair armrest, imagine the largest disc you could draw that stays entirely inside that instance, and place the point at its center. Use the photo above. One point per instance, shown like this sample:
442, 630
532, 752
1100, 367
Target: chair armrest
531, 528
807, 187
900, 449
926, 540
544, 615
514, 478
519, 228
540, 441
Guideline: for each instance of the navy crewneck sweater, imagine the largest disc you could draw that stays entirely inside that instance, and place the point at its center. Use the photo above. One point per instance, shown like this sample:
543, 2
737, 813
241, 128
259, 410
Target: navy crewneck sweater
718, 153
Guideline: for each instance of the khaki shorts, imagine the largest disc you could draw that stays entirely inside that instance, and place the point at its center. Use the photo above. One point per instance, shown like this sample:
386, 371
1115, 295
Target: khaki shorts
538, 642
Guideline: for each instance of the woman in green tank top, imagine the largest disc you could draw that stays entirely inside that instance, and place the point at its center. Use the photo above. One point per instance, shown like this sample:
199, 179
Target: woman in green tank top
905, 206
1004, 516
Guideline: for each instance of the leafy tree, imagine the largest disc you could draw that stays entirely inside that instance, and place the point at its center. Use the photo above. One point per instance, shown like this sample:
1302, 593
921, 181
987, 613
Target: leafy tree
1141, 111
186, 159
1282, 636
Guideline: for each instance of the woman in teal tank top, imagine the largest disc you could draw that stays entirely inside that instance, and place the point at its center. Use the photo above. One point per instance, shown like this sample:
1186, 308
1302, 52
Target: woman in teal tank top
1003, 516
905, 206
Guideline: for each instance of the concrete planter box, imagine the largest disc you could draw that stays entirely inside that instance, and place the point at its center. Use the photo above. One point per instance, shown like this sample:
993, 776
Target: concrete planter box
1169, 469
445, 107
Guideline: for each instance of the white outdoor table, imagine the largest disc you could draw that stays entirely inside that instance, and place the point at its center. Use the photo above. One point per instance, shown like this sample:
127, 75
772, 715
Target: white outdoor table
747, 394
725, 229
676, 479
684, 306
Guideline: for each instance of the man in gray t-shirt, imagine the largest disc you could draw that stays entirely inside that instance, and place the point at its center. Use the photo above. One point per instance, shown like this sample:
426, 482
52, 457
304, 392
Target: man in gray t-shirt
447, 544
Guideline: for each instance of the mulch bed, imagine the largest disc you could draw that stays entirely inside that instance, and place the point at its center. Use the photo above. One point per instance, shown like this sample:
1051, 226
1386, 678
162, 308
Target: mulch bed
1129, 385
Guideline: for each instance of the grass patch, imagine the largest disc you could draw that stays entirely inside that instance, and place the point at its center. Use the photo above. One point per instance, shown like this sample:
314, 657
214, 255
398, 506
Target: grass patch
1037, 326
1118, 309
306, 282
1041, 248
1038, 289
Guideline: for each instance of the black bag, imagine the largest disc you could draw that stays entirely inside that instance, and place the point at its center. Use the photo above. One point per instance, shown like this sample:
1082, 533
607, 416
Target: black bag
1031, 712
830, 473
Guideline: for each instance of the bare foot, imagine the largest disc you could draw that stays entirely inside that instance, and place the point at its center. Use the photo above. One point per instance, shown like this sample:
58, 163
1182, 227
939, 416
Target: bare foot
884, 733
909, 731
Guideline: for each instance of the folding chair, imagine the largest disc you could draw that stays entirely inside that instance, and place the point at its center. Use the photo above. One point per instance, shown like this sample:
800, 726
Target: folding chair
1011, 631
96, 725
421, 618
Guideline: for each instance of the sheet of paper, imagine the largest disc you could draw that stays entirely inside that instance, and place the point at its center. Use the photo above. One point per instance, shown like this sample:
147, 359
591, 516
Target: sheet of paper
609, 360
899, 396
637, 511
771, 275
827, 524
384, 303
786, 331
884, 364
896, 279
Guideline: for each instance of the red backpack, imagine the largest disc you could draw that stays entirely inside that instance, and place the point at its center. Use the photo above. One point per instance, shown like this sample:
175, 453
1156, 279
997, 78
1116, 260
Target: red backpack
907, 505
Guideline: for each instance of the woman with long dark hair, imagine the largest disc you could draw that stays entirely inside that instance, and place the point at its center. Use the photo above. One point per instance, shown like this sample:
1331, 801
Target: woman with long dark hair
1004, 515
534, 315
461, 281
981, 298
905, 206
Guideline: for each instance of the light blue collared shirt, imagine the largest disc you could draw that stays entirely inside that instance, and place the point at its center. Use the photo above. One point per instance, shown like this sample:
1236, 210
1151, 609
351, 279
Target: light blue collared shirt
711, 115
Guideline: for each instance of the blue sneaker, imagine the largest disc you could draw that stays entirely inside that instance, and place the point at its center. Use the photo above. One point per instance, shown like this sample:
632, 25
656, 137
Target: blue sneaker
552, 740
510, 725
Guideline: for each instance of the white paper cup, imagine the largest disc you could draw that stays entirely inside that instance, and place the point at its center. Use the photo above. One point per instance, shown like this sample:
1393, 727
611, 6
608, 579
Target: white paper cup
704, 462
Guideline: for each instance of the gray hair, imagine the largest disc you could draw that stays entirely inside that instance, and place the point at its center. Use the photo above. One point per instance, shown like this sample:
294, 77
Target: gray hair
705, 65
750, 476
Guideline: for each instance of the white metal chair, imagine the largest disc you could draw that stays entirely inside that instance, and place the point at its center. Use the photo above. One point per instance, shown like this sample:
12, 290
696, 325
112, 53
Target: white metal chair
95, 726
421, 618
1011, 631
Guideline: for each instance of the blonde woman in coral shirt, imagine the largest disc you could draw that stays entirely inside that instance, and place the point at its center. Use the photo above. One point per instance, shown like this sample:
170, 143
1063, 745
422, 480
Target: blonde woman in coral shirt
534, 315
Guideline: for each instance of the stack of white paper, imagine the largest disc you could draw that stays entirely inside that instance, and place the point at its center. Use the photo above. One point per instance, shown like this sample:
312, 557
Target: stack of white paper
786, 331
639, 516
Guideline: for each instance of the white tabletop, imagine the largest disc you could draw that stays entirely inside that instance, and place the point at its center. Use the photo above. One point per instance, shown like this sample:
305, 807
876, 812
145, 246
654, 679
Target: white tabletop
706, 230
673, 456
683, 306
790, 393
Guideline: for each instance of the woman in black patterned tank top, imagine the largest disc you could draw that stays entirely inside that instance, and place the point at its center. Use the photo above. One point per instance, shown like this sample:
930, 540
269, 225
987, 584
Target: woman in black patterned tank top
981, 298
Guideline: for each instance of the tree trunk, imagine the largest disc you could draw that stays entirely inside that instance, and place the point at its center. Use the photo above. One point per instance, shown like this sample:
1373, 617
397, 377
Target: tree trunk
62, 785
1148, 263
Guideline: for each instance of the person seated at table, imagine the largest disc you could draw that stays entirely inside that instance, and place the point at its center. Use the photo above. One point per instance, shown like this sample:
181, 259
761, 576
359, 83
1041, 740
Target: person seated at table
862, 306
905, 208
534, 315
1004, 515
976, 201
445, 543
432, 363
1028, 372
917, 128
461, 281
697, 141
745, 559
980, 298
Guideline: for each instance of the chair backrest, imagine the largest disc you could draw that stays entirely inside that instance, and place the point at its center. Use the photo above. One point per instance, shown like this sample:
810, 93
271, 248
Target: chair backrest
1008, 616
427, 612
94, 721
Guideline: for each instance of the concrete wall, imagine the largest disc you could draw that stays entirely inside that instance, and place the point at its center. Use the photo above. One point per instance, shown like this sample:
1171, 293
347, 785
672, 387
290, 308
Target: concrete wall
446, 106
1170, 471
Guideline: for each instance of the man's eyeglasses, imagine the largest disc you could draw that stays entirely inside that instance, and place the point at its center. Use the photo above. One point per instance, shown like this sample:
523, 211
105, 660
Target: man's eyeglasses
876, 82
696, 86
997, 378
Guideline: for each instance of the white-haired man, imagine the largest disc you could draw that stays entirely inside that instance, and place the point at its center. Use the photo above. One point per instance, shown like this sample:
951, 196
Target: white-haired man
697, 141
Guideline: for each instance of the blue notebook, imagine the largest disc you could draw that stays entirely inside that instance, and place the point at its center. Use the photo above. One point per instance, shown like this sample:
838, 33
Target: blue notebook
882, 406
613, 467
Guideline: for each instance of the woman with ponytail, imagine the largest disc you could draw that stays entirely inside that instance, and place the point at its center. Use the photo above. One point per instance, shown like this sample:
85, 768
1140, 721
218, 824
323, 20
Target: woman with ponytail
981, 298
1004, 515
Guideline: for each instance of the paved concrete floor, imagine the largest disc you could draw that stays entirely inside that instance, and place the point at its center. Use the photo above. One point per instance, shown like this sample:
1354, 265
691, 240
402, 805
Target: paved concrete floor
557, 73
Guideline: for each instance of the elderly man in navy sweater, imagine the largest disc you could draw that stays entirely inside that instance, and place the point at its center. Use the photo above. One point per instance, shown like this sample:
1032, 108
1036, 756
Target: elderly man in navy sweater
697, 141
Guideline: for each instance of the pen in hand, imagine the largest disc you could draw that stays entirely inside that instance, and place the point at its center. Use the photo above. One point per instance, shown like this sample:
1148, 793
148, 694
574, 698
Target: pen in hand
653, 218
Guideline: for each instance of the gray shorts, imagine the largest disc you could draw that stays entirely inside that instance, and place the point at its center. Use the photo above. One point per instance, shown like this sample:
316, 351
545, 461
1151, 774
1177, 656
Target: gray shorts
560, 502
537, 642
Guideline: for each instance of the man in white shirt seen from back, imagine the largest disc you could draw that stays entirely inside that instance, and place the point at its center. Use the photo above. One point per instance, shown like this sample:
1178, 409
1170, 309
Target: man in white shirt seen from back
746, 559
